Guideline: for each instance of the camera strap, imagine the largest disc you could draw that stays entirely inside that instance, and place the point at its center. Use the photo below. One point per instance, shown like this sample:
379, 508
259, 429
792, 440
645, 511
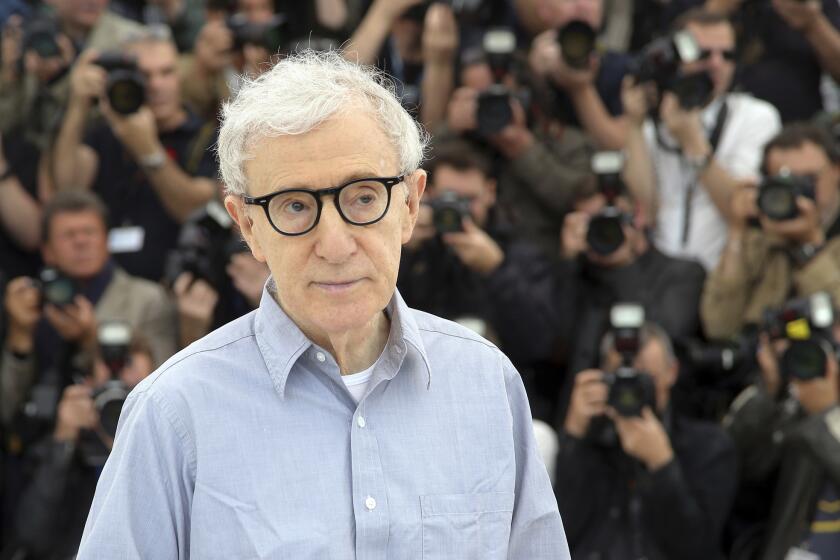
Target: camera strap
714, 141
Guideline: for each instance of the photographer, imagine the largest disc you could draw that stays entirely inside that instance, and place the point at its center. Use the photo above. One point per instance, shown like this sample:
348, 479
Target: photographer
587, 83
213, 276
647, 483
64, 467
795, 250
785, 428
36, 55
686, 162
51, 324
150, 163
786, 46
541, 164
607, 257
463, 260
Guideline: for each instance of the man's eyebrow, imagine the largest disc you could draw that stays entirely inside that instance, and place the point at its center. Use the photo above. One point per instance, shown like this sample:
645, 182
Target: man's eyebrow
353, 176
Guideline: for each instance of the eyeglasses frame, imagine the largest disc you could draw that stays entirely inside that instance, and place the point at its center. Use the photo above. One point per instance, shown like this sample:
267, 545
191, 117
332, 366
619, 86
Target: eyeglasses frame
265, 200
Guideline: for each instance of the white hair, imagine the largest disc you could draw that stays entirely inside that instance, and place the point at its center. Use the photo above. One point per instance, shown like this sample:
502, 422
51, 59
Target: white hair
299, 93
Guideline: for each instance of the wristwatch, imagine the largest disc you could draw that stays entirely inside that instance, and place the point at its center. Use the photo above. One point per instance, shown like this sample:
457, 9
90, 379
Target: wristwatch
804, 253
698, 163
152, 162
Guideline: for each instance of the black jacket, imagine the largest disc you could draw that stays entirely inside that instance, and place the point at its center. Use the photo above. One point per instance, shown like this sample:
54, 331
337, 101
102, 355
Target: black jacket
679, 510
785, 457
433, 279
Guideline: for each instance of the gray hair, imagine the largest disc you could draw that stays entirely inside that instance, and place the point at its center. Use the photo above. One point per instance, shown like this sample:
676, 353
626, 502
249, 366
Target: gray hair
649, 331
299, 93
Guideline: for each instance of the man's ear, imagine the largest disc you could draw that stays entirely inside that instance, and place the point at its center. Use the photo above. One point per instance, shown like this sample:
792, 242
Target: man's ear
416, 183
236, 209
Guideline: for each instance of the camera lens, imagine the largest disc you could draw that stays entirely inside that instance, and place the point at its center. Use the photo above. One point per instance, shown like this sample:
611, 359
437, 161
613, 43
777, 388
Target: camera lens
126, 95
494, 111
777, 201
605, 234
577, 41
804, 360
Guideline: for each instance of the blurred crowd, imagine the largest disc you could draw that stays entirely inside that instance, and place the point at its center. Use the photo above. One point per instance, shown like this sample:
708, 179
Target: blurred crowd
637, 200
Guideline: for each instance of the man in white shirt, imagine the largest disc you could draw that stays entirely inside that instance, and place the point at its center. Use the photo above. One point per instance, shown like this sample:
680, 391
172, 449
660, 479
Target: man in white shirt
685, 165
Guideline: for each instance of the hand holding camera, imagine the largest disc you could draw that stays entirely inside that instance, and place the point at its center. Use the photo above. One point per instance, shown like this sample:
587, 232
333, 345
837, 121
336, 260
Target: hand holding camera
462, 110
23, 306
804, 227
74, 322
684, 125
634, 98
743, 208
477, 250
76, 412
573, 237
249, 276
136, 131
643, 438
87, 79
196, 300
588, 400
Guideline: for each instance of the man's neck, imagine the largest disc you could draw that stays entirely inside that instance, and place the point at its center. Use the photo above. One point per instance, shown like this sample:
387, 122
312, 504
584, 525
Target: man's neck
357, 350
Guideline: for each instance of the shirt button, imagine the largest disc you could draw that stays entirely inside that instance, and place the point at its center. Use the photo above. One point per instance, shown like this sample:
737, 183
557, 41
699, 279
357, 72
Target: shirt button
370, 503
361, 421
320, 357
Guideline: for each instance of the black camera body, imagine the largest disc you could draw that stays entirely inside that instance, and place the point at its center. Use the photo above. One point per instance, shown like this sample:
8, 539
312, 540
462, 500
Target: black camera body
494, 111
205, 246
694, 90
777, 195
807, 323
56, 288
630, 391
660, 62
125, 86
606, 229
448, 212
41, 36
577, 43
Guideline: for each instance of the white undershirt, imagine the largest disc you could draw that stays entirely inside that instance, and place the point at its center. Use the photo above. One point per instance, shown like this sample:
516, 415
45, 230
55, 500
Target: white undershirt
357, 383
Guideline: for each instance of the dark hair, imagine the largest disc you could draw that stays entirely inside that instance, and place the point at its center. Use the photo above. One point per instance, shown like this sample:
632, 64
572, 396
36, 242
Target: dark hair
796, 135
71, 202
700, 16
460, 155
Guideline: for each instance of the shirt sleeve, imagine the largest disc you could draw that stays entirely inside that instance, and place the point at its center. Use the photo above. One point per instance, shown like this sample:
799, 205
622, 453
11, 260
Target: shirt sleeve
536, 528
143, 499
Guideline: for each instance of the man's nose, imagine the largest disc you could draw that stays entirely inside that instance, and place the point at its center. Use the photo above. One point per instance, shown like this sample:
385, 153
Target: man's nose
335, 242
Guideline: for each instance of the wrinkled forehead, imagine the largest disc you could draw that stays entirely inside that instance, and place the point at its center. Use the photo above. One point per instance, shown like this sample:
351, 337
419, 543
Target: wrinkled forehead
714, 35
349, 145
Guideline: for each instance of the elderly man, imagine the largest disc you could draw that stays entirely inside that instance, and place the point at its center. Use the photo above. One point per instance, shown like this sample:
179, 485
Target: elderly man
333, 421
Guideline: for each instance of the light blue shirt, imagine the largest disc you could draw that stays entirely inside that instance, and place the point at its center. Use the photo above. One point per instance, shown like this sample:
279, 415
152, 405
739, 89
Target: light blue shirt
248, 445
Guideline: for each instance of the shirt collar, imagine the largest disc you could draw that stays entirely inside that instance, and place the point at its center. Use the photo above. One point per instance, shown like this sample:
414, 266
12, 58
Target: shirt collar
281, 342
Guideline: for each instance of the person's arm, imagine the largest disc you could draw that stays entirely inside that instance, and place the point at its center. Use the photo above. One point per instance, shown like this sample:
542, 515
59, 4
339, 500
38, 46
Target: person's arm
367, 41
609, 132
74, 164
536, 528
149, 476
20, 213
639, 175
440, 41
825, 40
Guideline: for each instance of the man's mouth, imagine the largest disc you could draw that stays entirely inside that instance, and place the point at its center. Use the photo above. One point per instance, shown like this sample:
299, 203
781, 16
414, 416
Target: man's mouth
335, 287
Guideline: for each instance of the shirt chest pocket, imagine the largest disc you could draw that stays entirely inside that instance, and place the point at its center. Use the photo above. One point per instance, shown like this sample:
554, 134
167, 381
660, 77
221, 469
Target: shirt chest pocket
466, 526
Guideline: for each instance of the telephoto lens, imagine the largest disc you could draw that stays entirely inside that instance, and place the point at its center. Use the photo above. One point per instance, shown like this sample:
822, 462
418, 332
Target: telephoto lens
577, 43
777, 195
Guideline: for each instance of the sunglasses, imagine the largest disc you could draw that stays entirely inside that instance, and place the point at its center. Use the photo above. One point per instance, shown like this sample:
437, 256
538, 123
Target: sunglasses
727, 54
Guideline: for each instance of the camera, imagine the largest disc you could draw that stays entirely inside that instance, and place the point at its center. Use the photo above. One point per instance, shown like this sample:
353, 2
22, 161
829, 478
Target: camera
630, 390
125, 86
577, 43
56, 288
807, 323
494, 112
40, 35
660, 60
205, 246
449, 211
606, 229
268, 35
693, 90
777, 195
